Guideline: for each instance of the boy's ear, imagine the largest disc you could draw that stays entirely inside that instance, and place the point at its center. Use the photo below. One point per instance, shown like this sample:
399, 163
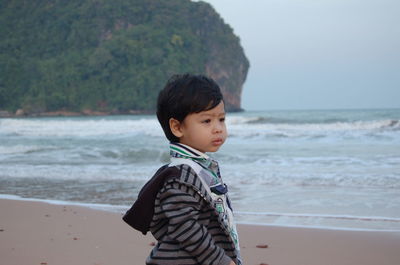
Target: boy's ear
175, 127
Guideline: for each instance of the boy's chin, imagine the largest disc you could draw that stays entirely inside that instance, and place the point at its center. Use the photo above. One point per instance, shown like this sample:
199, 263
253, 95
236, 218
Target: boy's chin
206, 149
213, 149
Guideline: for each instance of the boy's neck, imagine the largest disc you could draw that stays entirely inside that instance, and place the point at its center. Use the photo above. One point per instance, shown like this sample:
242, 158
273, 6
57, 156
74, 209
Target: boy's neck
187, 150
179, 150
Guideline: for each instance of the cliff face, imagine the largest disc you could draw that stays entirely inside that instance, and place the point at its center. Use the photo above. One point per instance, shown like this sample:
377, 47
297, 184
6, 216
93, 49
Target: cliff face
225, 61
231, 79
111, 56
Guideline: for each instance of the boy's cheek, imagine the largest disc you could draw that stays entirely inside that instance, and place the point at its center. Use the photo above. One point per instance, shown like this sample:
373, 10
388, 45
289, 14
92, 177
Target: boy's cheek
225, 135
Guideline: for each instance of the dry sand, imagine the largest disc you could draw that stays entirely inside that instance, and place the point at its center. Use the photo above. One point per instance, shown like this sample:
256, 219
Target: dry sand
45, 234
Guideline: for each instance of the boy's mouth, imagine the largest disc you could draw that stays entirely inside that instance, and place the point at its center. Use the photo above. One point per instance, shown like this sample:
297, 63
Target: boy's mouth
217, 142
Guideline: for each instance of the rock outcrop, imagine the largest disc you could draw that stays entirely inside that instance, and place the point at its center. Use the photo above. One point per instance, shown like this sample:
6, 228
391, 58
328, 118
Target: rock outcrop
111, 56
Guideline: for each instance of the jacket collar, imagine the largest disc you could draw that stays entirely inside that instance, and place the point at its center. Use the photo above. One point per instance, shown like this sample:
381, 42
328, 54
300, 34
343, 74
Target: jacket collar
184, 151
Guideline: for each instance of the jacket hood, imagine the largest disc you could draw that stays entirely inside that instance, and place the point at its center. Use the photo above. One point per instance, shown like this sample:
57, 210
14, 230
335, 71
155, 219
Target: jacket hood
139, 216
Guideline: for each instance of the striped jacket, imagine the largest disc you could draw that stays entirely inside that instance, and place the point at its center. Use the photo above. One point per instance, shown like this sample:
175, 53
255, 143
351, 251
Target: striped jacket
187, 226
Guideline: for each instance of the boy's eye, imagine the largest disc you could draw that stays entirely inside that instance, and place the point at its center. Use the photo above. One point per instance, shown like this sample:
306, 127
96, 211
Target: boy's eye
207, 121
222, 119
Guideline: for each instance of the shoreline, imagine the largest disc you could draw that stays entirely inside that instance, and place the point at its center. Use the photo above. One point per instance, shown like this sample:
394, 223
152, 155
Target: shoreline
41, 233
120, 209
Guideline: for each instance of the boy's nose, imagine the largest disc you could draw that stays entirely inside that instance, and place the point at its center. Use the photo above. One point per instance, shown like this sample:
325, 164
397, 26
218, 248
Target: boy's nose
218, 128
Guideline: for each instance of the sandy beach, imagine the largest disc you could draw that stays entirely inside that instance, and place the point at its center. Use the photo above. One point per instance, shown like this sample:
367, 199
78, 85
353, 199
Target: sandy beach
46, 234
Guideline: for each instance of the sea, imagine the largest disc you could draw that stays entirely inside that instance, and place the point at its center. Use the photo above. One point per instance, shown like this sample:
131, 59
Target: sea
335, 169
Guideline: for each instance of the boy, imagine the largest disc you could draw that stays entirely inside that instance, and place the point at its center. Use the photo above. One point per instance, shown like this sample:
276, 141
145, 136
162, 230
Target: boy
185, 205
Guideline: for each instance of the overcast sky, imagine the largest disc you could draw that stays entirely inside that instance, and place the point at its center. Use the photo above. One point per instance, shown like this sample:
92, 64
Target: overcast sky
318, 54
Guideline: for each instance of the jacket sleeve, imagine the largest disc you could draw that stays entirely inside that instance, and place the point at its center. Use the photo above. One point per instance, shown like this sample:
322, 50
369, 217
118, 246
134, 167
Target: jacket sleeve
181, 205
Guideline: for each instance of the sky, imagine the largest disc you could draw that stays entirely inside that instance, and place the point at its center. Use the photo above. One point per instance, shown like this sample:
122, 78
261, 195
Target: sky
318, 54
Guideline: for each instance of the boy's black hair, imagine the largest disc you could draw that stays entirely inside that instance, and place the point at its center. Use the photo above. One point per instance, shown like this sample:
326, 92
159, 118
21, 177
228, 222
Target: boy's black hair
183, 95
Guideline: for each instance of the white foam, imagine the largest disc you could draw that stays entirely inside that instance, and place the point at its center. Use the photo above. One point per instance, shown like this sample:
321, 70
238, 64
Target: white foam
100, 172
248, 126
324, 216
234, 120
97, 206
79, 127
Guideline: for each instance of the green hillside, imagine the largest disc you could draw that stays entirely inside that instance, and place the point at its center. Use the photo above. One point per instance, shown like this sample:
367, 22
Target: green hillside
110, 55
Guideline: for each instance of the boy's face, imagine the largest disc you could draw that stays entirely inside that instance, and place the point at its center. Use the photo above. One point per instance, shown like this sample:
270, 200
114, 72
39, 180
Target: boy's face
204, 131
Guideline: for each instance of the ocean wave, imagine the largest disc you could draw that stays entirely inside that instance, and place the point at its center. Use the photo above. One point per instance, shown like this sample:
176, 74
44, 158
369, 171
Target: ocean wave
78, 172
23, 149
323, 221
323, 216
96, 206
392, 124
321, 172
249, 128
386, 182
274, 120
136, 155
330, 124
79, 127
246, 126
234, 120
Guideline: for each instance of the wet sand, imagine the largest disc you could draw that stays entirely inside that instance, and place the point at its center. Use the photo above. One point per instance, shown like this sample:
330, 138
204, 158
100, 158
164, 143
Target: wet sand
46, 234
